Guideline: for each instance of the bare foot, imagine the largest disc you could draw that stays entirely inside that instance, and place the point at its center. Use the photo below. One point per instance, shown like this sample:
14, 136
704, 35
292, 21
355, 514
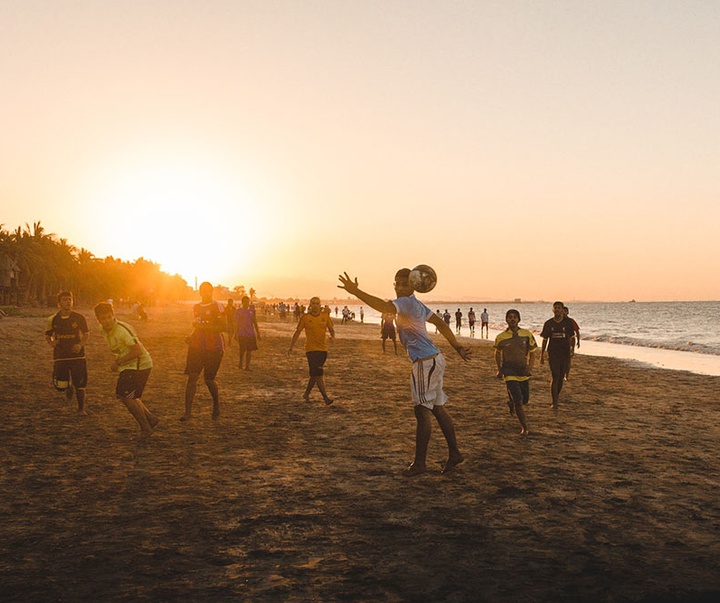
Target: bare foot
186, 417
414, 469
306, 397
553, 407
215, 415
524, 432
329, 401
452, 462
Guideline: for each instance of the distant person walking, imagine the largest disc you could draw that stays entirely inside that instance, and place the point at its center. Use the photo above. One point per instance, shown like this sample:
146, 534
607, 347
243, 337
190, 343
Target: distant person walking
206, 349
576, 328
315, 324
230, 318
132, 363
428, 367
471, 322
458, 321
247, 332
514, 355
484, 324
446, 317
67, 332
558, 338
387, 330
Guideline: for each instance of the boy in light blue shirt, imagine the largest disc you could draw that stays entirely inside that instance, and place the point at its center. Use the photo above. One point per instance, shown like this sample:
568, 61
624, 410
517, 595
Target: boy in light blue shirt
411, 316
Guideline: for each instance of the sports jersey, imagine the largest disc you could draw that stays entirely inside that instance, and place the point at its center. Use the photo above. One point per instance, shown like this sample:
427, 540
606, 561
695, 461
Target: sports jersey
315, 326
67, 332
411, 317
208, 315
244, 322
121, 338
515, 348
558, 334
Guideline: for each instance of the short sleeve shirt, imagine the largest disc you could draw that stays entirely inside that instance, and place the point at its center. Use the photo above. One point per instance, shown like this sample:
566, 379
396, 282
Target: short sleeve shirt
558, 334
244, 322
121, 338
412, 315
514, 348
208, 315
68, 331
315, 326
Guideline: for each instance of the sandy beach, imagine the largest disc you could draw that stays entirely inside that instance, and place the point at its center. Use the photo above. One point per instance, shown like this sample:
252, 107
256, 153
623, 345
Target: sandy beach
614, 498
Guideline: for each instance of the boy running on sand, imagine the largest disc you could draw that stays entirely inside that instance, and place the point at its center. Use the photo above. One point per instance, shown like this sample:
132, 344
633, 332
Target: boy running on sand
428, 364
132, 362
559, 338
206, 349
67, 332
315, 323
514, 357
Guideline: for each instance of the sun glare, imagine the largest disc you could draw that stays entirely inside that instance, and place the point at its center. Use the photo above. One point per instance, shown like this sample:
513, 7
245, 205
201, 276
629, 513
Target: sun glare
189, 218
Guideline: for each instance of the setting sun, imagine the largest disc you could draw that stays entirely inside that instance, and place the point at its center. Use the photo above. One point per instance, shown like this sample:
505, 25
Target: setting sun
190, 217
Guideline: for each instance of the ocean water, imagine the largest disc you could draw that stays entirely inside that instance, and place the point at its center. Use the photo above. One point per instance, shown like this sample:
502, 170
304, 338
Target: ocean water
675, 335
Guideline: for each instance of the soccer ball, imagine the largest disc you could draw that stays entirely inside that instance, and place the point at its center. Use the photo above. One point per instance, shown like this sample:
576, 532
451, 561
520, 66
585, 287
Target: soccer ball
423, 278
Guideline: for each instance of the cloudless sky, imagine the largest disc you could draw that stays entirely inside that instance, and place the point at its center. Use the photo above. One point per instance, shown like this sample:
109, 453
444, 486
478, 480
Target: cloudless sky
538, 149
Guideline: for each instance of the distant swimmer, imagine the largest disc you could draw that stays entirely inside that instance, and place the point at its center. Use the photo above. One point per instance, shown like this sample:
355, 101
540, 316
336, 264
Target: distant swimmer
428, 366
514, 356
558, 338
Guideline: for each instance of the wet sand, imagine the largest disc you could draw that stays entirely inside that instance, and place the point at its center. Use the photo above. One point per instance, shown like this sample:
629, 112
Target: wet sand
616, 497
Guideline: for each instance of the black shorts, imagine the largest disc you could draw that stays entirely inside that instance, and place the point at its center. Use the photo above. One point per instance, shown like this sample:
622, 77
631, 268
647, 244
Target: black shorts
316, 362
247, 344
131, 383
518, 391
203, 360
558, 363
70, 370
388, 334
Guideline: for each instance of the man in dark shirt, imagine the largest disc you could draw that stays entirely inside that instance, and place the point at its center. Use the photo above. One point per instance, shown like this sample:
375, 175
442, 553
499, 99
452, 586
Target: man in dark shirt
558, 338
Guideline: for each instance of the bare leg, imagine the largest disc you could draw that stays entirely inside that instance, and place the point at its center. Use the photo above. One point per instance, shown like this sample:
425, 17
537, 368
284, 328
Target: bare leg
215, 393
321, 386
151, 418
80, 393
247, 360
422, 439
448, 429
520, 412
190, 389
137, 410
308, 389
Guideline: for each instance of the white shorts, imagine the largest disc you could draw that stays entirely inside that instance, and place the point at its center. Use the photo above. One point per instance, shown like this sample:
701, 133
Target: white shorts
426, 383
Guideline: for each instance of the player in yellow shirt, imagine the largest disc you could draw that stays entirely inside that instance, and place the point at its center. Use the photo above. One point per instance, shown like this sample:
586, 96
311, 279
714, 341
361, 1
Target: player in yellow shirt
514, 355
315, 323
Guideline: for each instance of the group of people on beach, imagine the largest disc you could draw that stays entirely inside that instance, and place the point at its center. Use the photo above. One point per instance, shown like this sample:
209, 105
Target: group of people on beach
514, 351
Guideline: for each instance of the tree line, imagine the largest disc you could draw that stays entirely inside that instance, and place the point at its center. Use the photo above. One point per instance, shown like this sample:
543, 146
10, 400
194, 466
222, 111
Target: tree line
48, 264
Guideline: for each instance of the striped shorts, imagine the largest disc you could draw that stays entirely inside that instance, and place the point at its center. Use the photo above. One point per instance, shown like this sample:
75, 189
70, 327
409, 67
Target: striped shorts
426, 383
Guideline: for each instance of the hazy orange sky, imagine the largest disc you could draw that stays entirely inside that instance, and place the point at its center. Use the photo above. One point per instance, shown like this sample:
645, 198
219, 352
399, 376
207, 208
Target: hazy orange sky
542, 150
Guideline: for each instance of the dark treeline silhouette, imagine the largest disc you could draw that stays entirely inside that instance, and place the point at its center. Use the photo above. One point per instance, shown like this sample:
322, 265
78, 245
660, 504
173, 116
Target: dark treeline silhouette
35, 265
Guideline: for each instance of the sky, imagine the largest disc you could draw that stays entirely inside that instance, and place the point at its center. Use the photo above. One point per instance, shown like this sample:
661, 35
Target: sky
538, 150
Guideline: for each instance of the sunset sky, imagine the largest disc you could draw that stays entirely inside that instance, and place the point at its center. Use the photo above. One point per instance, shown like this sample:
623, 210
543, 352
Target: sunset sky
541, 150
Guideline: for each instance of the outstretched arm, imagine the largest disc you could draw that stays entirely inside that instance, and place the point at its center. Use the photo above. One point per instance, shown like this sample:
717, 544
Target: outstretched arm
351, 286
447, 333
